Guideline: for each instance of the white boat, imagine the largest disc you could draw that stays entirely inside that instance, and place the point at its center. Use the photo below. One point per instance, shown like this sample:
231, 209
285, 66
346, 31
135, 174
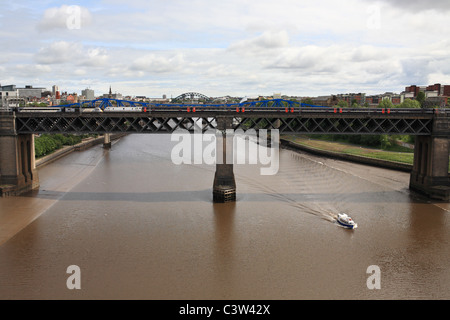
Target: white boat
344, 220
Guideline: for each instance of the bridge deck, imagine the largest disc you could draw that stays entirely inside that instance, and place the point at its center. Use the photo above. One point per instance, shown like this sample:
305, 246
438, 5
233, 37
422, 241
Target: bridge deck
287, 120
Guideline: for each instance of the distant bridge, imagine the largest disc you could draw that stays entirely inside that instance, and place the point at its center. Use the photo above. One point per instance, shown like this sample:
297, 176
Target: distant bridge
191, 96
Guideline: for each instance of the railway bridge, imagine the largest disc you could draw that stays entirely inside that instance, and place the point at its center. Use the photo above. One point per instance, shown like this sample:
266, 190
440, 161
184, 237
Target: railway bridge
105, 116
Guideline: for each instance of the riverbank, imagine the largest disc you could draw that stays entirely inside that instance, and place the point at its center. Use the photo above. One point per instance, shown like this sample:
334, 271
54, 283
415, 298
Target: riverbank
353, 153
56, 179
7, 190
65, 150
55, 182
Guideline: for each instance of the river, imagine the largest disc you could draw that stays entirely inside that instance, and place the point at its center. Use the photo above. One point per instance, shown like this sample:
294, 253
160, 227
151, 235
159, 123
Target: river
140, 227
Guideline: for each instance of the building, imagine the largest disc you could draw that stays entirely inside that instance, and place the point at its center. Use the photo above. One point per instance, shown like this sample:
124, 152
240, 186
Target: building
9, 97
392, 97
277, 96
435, 90
350, 98
406, 95
55, 89
327, 101
29, 92
70, 98
111, 95
414, 90
446, 91
373, 101
436, 94
88, 94
396, 99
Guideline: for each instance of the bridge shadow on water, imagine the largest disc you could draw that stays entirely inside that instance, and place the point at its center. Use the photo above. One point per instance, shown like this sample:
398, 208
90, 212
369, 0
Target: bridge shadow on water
206, 196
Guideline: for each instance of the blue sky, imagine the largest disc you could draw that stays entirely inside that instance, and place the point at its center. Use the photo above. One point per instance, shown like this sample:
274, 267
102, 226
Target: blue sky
238, 48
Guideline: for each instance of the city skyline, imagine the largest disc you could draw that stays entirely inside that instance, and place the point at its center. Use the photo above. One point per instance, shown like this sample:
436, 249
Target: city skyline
151, 48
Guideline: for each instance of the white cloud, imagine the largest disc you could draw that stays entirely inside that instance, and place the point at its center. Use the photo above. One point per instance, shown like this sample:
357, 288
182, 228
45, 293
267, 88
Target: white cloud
65, 17
310, 58
228, 47
80, 72
266, 41
419, 6
73, 53
31, 70
367, 53
94, 57
158, 63
59, 52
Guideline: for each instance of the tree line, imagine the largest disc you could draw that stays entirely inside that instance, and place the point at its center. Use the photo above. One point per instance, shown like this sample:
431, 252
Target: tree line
419, 102
47, 143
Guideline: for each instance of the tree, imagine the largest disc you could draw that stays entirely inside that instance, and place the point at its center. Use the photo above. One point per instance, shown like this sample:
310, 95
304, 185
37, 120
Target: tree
386, 103
434, 102
421, 98
342, 104
307, 101
408, 103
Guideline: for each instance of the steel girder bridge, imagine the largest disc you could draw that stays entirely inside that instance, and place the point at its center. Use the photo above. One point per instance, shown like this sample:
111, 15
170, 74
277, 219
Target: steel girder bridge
429, 174
289, 117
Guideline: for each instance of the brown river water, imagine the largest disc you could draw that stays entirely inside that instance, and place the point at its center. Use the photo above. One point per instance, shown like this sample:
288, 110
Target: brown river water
140, 227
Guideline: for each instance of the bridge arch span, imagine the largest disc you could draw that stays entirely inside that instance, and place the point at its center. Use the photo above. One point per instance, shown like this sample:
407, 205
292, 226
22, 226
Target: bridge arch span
191, 96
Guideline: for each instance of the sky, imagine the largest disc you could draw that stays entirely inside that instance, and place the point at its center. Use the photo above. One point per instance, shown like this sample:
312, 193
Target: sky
233, 47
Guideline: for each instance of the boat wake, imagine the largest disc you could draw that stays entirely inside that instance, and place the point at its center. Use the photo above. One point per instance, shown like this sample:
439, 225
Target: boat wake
306, 184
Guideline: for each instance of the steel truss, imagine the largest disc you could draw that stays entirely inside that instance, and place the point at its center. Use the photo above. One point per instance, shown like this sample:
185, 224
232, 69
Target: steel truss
150, 123
323, 125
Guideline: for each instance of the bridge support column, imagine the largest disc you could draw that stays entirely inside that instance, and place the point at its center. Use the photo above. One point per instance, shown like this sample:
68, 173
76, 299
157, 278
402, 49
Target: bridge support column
18, 172
107, 141
224, 186
431, 160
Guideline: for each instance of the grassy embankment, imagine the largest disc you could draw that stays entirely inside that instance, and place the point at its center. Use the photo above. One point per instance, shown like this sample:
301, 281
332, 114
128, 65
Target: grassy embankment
48, 143
392, 152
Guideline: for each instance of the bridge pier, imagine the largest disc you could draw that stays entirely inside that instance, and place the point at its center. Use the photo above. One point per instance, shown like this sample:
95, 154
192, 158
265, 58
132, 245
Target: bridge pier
18, 172
431, 160
107, 141
224, 186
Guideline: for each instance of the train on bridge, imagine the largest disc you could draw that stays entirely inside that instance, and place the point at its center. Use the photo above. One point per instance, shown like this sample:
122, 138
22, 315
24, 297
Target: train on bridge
275, 105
